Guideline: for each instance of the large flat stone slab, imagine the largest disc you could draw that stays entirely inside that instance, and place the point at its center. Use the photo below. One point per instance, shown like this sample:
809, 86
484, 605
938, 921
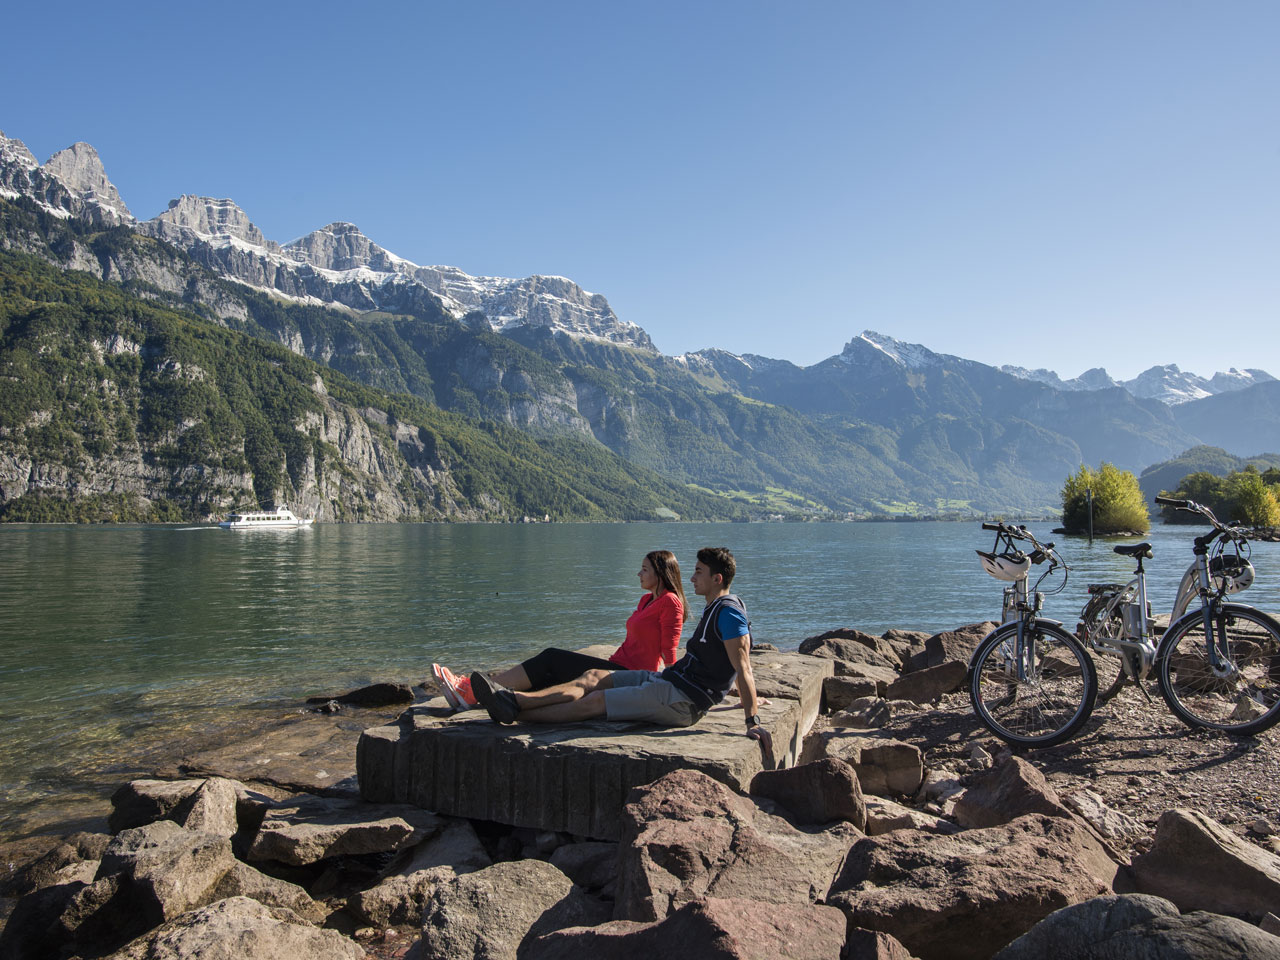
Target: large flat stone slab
576, 777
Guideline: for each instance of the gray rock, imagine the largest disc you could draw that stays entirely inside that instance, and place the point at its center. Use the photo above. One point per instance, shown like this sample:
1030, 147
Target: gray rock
403, 889
1200, 865
139, 802
1010, 789
238, 928
169, 870
1093, 810
243, 880
870, 713
962, 897
815, 793
310, 829
1137, 927
490, 913
592, 865
687, 836
80, 168
49, 869
212, 808
709, 929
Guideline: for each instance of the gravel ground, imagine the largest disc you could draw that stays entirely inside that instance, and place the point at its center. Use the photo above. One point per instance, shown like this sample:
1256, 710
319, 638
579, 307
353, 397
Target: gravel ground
1137, 756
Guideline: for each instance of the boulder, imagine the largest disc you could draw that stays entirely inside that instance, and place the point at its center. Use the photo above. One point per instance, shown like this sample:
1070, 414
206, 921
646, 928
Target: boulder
592, 865
885, 816
1137, 927
884, 767
170, 870
841, 644
687, 836
139, 802
964, 896
870, 713
1010, 789
957, 644
709, 929
374, 695
906, 642
212, 808
50, 869
309, 829
1093, 810
237, 928
403, 889
32, 931
244, 881
492, 912
858, 670
928, 684
839, 692
862, 944
814, 793
1200, 865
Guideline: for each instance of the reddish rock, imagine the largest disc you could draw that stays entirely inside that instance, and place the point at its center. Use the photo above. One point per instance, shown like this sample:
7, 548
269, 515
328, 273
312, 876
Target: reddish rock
709, 928
1010, 789
957, 644
930, 683
963, 897
814, 793
1200, 865
687, 836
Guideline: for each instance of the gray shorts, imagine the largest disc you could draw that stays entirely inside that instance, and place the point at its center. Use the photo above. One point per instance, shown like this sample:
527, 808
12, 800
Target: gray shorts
644, 695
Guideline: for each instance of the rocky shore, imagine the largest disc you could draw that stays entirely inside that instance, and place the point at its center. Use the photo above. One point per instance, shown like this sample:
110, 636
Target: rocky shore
902, 830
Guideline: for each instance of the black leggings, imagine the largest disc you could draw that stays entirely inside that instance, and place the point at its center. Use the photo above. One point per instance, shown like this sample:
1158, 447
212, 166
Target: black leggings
553, 666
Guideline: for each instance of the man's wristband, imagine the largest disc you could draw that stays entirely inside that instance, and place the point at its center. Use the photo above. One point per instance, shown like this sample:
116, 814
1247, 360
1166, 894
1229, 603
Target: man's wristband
753, 721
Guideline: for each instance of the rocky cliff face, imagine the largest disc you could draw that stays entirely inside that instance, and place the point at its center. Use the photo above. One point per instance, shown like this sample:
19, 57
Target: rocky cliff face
80, 168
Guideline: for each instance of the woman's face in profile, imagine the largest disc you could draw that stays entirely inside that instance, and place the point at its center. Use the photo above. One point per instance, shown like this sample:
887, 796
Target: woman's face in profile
648, 579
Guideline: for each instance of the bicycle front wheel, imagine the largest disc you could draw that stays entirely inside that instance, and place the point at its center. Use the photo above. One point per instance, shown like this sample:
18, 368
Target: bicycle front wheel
1036, 692
1242, 694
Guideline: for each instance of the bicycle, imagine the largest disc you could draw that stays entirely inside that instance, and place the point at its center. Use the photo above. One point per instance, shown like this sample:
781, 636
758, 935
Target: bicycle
1031, 682
1217, 666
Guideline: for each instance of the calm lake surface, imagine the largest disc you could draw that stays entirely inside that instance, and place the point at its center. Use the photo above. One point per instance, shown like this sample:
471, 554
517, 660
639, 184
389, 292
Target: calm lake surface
115, 638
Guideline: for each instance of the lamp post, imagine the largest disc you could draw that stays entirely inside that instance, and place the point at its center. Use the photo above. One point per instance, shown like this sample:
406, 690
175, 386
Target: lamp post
1088, 495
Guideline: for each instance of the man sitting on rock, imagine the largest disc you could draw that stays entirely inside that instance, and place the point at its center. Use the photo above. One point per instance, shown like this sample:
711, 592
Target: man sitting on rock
679, 696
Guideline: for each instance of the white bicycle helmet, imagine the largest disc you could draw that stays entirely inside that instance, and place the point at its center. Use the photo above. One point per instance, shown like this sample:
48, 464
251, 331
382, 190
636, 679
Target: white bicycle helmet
1231, 572
1005, 566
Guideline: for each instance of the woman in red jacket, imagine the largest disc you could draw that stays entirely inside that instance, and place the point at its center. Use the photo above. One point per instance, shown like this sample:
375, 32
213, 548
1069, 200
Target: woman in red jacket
653, 633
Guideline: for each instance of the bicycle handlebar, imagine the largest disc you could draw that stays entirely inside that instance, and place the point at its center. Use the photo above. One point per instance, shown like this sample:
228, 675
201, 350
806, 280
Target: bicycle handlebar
1171, 502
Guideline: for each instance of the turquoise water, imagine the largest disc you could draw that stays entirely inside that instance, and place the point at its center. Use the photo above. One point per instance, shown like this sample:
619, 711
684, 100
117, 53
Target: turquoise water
112, 638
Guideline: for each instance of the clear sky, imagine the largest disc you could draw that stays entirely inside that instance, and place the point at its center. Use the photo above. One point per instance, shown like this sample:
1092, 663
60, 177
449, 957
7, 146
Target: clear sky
1057, 184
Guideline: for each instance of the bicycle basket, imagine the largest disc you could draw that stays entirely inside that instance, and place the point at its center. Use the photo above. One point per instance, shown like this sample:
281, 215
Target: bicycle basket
1231, 572
1005, 566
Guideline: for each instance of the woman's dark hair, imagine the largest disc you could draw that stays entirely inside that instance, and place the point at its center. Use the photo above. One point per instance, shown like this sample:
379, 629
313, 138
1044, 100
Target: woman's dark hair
667, 569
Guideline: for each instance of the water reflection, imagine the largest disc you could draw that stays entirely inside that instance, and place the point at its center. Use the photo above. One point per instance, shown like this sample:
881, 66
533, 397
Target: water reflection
111, 636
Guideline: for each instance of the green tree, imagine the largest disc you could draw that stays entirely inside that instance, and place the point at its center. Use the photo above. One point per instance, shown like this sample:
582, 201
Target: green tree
1118, 506
1252, 501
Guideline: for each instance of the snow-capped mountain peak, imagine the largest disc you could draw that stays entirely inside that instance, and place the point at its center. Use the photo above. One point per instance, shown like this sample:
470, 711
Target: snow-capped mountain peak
913, 356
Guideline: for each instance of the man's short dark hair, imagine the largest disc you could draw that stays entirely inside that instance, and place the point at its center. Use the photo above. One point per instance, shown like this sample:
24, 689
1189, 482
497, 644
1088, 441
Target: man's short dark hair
719, 561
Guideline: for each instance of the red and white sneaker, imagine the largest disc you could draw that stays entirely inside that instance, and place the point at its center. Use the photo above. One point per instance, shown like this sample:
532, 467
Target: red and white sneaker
457, 690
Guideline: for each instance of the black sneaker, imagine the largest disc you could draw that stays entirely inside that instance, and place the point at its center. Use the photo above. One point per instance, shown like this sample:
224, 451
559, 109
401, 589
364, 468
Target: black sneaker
494, 697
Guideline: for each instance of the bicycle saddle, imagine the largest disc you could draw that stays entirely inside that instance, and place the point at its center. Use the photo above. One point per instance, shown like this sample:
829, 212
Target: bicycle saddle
1134, 550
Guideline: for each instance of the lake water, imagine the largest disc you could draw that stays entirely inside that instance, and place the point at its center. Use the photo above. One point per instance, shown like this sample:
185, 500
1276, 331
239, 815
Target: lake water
113, 637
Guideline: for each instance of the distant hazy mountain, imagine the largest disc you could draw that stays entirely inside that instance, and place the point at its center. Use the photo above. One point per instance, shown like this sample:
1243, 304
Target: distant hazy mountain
1165, 383
884, 426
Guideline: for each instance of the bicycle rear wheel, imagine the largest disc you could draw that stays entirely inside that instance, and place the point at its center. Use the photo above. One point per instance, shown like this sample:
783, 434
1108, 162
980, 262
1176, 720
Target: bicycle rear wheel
1243, 696
1052, 699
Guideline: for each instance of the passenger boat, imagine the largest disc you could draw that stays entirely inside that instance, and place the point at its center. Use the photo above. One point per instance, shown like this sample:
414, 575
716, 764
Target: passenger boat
280, 517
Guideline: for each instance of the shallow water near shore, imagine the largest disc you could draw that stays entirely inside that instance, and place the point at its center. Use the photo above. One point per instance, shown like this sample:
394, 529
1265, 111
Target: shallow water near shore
125, 646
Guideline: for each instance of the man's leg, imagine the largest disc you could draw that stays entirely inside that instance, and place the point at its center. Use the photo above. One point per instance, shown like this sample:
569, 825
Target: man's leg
564, 693
586, 707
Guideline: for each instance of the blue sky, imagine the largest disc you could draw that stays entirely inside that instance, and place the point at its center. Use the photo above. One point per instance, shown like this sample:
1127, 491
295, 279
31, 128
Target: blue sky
1048, 184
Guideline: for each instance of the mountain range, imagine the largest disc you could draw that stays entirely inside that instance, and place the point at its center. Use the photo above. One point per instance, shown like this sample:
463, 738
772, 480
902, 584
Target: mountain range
883, 427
